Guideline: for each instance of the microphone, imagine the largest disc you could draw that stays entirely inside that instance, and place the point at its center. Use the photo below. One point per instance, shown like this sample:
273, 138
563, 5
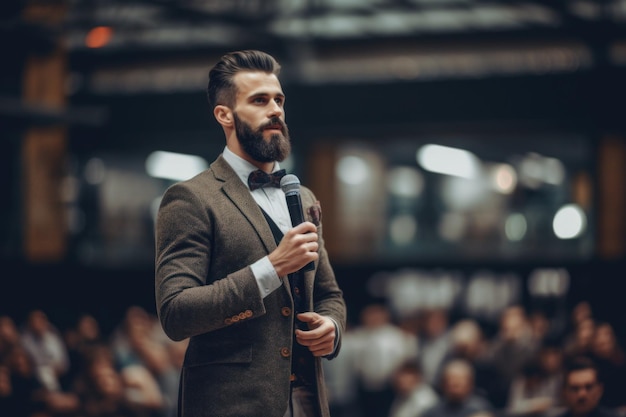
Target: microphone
290, 184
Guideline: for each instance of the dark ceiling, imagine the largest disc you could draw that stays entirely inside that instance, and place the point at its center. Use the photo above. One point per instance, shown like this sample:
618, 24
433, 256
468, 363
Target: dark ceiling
166, 46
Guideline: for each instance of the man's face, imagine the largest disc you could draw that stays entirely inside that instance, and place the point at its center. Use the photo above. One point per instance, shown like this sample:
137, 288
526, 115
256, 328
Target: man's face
582, 391
259, 116
457, 385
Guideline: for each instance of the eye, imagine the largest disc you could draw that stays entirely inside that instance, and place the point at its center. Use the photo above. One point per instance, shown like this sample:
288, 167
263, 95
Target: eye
259, 100
279, 100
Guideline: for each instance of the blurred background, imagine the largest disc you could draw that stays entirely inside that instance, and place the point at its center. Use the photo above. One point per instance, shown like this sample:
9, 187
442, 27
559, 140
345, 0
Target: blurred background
469, 155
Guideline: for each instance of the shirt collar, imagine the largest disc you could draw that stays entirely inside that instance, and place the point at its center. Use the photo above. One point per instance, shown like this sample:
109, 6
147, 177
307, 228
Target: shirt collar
242, 167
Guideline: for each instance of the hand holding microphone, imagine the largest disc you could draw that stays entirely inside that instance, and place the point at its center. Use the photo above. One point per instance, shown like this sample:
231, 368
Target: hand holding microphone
290, 185
298, 248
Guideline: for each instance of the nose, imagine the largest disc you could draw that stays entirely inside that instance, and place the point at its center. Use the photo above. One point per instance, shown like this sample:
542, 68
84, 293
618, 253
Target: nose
275, 110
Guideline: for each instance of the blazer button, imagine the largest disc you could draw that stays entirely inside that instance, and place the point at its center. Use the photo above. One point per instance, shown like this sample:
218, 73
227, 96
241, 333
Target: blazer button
248, 313
242, 316
284, 352
285, 311
228, 321
296, 290
235, 319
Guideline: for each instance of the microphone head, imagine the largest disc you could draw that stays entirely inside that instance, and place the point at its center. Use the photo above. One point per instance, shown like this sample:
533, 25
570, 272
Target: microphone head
290, 184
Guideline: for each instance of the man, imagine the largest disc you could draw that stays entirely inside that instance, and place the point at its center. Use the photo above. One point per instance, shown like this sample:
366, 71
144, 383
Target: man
457, 393
582, 390
224, 270
412, 395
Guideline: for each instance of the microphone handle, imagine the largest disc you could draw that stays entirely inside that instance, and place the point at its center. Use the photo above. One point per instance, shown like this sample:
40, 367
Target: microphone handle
294, 205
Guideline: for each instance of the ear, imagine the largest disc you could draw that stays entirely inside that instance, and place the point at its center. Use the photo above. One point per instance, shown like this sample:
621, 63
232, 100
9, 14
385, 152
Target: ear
223, 115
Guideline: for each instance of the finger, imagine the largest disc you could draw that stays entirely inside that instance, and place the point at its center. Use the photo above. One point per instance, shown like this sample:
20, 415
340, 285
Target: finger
312, 337
304, 228
309, 317
321, 350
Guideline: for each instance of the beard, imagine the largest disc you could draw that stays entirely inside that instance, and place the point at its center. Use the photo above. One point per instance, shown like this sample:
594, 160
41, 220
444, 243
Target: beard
254, 144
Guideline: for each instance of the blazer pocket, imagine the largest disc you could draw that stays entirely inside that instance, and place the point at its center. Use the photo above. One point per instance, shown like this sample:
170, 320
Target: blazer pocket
224, 352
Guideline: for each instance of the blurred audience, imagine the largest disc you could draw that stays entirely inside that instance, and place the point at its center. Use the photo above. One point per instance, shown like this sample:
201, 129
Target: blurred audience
517, 369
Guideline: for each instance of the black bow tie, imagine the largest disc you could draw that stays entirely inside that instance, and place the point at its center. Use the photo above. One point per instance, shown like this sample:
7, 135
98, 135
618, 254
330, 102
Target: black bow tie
259, 179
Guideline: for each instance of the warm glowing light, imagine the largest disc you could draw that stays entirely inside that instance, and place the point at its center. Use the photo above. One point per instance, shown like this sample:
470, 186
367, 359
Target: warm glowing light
352, 170
554, 171
549, 282
402, 229
452, 226
449, 161
504, 178
569, 222
515, 227
98, 36
405, 182
174, 166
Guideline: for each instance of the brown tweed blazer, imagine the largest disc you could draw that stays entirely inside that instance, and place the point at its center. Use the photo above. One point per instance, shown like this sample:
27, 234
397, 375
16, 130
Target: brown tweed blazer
209, 230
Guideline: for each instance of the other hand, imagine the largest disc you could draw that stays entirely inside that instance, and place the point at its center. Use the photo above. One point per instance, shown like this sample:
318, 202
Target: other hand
320, 338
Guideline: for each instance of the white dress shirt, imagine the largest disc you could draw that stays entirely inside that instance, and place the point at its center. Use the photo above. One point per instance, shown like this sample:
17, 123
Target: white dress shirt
272, 200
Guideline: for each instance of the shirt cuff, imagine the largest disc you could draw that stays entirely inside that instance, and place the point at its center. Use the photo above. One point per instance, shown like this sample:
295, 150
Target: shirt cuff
336, 338
266, 277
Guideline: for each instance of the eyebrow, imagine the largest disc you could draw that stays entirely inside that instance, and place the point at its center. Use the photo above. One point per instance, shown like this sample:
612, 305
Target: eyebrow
265, 94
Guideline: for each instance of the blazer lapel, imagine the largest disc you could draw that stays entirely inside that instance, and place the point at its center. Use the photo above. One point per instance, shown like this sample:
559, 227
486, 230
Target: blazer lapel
239, 194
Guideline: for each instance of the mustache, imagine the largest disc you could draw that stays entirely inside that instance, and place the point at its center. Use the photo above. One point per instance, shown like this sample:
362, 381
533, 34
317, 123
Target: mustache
273, 122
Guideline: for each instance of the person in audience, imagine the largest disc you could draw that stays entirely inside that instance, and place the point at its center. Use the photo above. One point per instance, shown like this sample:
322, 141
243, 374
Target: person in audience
8, 401
104, 394
28, 396
45, 345
611, 362
581, 311
510, 349
340, 376
435, 343
458, 398
582, 390
79, 339
468, 342
105, 391
9, 335
536, 390
411, 394
382, 346
27, 393
139, 350
579, 340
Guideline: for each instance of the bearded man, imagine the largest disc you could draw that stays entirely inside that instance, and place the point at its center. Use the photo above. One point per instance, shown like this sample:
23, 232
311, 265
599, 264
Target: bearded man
230, 265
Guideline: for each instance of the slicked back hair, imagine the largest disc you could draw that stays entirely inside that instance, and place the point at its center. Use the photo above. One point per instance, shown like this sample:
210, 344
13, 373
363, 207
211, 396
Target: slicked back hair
221, 89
